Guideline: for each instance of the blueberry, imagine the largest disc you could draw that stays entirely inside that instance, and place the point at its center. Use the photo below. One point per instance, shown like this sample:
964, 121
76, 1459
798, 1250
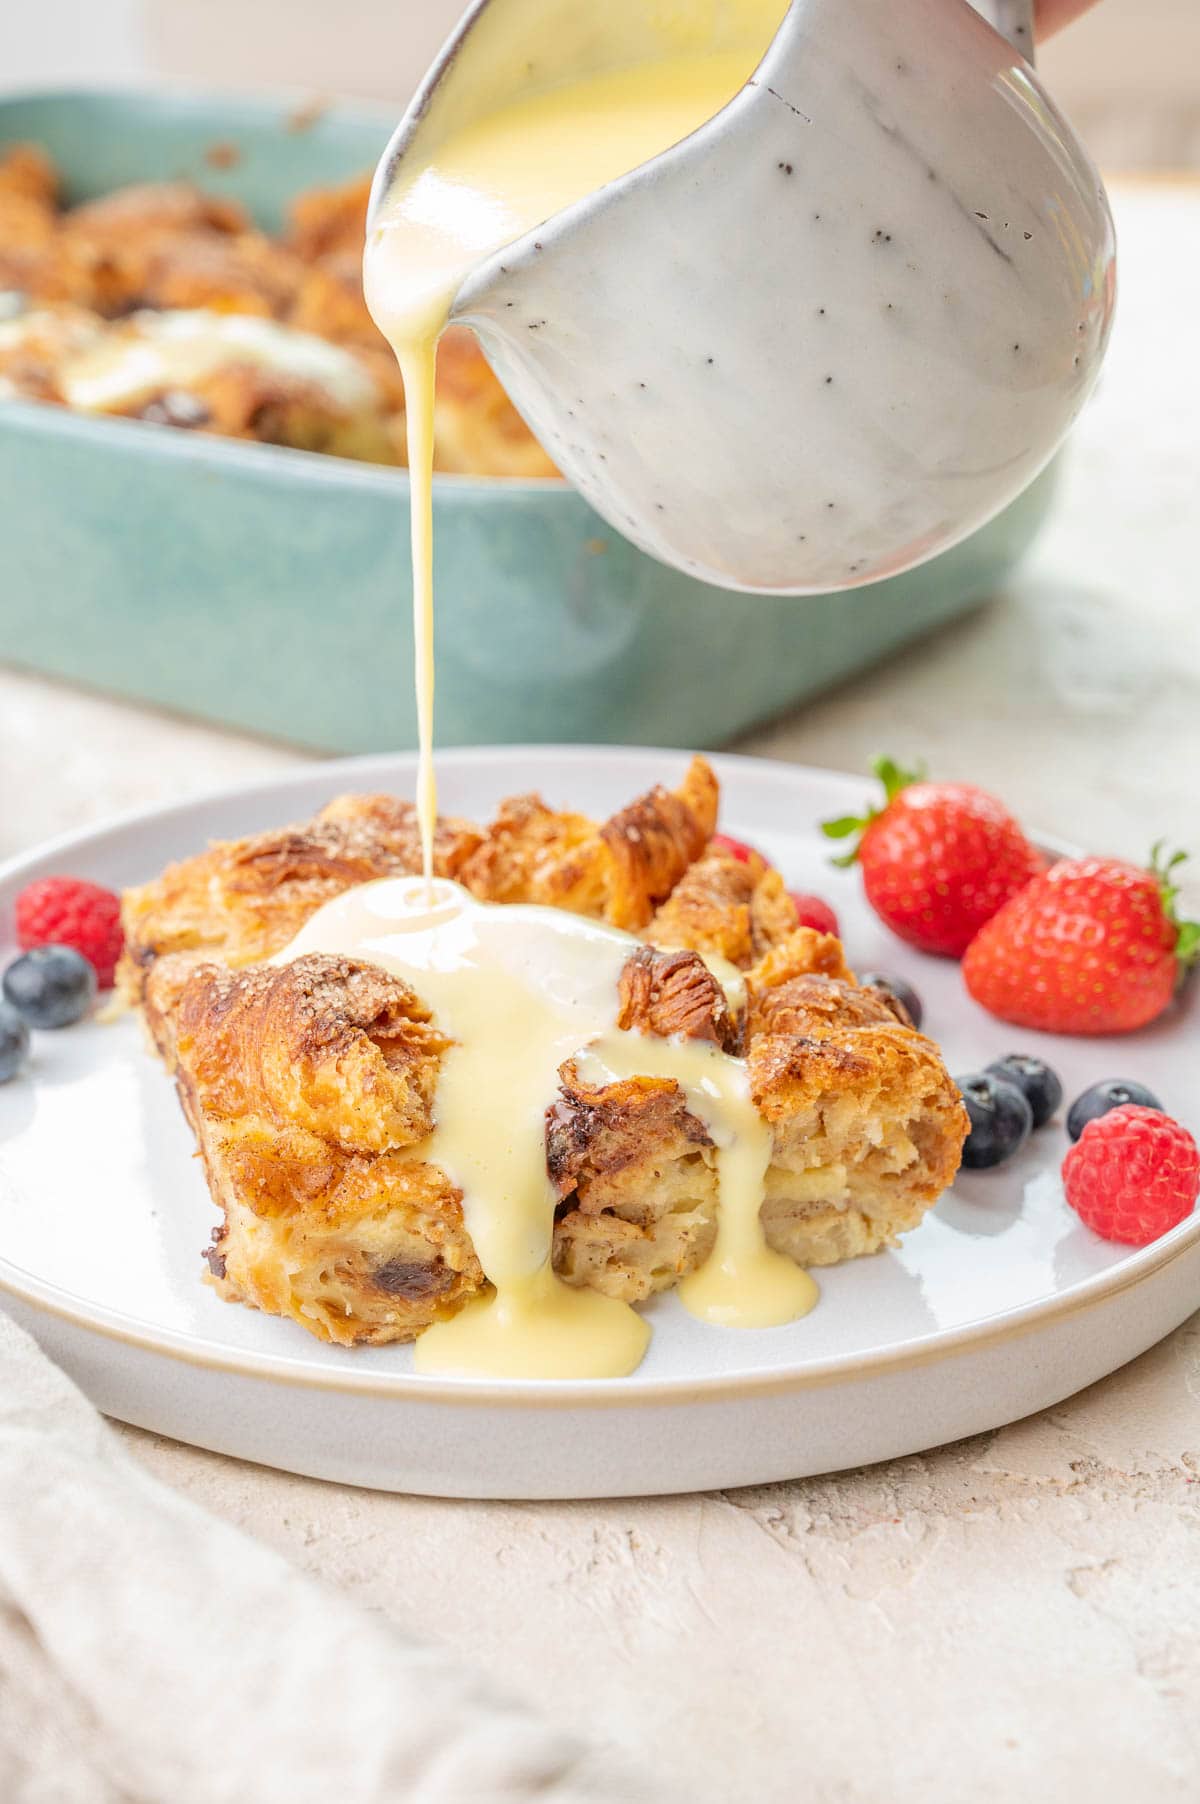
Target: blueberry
1039, 1085
1102, 1097
896, 987
1001, 1119
52, 986
14, 1042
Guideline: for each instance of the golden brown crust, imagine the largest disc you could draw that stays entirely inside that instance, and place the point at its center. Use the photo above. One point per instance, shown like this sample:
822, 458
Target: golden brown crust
516, 857
162, 985
375, 1251
331, 1045
619, 871
325, 222
311, 1085
654, 840
816, 1005
867, 1128
801, 953
151, 209
306, 1084
170, 245
636, 1175
245, 273
117, 242
668, 993
736, 908
329, 302
28, 174
244, 899
867, 1131
32, 260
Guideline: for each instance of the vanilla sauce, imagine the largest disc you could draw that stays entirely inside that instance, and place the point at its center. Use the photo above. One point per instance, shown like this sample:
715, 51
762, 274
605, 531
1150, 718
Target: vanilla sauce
522, 989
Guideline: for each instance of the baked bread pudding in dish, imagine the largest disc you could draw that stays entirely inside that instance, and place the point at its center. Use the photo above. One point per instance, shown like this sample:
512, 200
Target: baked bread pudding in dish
311, 1082
163, 303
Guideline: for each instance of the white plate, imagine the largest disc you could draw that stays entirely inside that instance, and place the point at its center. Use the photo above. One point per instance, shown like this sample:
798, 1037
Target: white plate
1000, 1303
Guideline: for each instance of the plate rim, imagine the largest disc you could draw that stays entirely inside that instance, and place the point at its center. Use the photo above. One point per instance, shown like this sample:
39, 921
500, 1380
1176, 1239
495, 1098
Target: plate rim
410, 1387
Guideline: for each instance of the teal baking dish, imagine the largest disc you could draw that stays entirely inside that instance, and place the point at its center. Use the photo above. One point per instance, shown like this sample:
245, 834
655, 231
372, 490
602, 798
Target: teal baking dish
269, 589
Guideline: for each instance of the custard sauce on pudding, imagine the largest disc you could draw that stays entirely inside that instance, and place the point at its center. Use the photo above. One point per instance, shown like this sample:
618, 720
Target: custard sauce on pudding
477, 191
520, 990
743, 1283
159, 351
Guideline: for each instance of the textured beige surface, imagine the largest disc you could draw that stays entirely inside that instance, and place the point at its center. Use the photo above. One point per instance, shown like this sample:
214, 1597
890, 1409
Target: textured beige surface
1016, 1617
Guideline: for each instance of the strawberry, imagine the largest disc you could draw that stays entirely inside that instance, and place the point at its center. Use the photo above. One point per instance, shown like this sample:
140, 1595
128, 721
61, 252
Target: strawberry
1134, 1175
811, 911
1093, 946
938, 859
733, 848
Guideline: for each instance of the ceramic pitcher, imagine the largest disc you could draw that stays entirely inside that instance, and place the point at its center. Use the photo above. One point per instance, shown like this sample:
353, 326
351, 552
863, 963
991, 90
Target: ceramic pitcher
832, 331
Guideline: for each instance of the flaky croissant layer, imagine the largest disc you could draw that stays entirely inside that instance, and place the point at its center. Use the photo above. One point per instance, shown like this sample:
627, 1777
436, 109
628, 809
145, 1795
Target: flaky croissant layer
310, 1086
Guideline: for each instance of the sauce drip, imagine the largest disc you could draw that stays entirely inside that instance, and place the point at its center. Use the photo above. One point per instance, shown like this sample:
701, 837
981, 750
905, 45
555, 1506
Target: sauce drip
743, 1283
521, 989
479, 190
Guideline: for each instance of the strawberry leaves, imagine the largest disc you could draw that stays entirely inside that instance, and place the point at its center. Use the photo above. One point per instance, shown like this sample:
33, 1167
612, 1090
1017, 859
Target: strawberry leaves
894, 778
1187, 942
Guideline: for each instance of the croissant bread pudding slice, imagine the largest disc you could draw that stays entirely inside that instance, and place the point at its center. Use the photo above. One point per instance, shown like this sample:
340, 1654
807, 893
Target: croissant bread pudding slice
243, 899
307, 1087
310, 1086
113, 273
866, 1125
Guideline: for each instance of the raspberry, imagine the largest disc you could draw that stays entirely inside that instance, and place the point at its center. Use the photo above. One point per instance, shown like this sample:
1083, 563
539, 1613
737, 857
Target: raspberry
70, 911
735, 848
812, 912
1133, 1174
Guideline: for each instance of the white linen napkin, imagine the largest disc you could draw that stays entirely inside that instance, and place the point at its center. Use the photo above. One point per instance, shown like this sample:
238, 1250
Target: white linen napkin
151, 1654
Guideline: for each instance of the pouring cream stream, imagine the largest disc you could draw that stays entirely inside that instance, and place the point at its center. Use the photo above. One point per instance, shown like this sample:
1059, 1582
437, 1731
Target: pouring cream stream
479, 190
521, 989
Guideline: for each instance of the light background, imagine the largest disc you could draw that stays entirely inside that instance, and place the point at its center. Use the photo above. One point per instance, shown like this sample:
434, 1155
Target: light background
1012, 1617
1128, 74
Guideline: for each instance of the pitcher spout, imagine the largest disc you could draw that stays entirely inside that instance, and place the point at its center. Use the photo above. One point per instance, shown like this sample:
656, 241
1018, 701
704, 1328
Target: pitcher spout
828, 333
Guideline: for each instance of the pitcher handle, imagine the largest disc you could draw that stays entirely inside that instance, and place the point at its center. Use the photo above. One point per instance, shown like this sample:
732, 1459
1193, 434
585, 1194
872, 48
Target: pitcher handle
1013, 19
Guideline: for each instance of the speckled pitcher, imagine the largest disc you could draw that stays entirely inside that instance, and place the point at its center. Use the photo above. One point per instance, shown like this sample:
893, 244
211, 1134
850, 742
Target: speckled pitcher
832, 331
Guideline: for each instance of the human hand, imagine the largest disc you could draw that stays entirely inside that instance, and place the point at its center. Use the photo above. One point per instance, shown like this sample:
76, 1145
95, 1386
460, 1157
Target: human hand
1051, 15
